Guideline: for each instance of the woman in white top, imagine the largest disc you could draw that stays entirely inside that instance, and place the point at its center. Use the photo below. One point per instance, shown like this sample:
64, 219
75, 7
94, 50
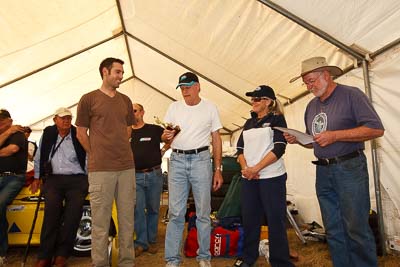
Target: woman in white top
263, 184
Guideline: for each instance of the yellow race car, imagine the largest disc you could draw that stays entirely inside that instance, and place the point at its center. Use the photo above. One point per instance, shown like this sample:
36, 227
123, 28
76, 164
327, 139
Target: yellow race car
20, 215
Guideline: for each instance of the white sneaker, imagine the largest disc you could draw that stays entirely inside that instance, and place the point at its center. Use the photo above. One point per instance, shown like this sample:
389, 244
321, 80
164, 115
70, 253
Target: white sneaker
204, 263
171, 264
2, 261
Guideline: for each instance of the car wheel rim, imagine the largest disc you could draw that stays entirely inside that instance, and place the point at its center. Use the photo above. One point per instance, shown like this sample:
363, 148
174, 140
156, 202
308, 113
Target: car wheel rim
83, 241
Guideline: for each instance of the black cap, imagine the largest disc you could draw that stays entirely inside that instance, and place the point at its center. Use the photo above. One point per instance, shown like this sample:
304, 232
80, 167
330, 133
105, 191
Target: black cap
262, 91
4, 114
27, 129
187, 79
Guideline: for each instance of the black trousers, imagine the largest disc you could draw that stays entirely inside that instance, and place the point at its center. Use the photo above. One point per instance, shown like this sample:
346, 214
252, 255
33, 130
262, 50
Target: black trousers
259, 198
64, 198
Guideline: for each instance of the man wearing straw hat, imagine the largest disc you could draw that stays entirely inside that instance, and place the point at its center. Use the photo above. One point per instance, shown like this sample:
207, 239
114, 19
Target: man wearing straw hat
341, 119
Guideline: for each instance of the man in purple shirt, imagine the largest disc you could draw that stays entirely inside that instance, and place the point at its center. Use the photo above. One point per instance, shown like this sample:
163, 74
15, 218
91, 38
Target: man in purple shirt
341, 119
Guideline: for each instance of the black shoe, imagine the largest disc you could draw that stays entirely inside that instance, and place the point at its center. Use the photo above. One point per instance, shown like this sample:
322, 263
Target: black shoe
241, 263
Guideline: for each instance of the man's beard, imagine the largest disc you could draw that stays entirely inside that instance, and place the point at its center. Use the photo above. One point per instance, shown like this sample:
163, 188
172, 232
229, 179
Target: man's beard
322, 91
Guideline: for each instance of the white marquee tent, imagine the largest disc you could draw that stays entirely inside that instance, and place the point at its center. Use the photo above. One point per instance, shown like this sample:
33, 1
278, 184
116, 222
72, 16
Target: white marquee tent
50, 52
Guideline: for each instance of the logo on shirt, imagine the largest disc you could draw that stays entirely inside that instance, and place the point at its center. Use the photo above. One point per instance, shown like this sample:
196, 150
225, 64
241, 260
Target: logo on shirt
319, 123
145, 139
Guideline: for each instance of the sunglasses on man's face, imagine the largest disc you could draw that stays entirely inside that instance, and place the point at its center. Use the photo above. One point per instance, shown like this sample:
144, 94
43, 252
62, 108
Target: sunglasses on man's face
258, 99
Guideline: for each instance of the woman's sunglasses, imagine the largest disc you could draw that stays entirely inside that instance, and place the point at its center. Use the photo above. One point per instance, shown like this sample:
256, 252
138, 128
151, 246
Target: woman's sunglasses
258, 99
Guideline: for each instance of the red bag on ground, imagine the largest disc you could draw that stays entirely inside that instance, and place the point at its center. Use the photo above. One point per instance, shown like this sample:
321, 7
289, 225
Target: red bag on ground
223, 242
191, 245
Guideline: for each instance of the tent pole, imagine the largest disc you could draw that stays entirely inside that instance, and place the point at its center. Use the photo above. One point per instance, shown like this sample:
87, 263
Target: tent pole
155, 89
377, 183
385, 48
125, 37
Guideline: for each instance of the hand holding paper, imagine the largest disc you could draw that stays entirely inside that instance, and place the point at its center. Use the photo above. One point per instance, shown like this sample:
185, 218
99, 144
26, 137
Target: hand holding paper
301, 137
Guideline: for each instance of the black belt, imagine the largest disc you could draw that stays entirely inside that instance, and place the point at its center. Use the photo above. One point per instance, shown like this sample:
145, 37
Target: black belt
191, 151
75, 174
10, 173
149, 169
339, 159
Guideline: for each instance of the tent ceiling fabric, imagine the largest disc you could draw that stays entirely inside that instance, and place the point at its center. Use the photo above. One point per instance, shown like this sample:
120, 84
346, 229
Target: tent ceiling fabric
249, 45
148, 65
61, 85
37, 33
368, 24
235, 44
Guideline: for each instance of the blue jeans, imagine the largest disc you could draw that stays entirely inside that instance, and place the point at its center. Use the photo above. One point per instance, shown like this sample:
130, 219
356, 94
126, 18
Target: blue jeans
9, 189
343, 195
148, 193
193, 170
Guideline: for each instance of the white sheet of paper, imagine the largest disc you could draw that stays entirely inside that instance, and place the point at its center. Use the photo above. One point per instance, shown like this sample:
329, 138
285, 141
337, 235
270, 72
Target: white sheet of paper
301, 137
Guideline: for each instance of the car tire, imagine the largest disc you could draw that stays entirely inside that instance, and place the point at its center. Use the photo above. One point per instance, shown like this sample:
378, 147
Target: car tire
83, 240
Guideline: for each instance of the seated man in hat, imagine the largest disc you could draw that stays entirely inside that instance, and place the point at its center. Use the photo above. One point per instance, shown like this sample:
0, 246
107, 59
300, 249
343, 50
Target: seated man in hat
341, 119
61, 163
13, 158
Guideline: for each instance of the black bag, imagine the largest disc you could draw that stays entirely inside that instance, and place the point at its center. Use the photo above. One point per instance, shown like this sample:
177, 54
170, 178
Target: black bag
47, 168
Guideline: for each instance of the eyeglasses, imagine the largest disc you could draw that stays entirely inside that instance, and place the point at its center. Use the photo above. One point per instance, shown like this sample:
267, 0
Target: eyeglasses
258, 99
312, 81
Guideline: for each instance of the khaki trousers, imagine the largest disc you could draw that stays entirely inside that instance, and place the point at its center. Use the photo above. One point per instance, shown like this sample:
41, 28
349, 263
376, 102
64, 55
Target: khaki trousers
104, 187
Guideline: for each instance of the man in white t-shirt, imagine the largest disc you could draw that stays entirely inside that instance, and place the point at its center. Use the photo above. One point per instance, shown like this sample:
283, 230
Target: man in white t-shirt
190, 166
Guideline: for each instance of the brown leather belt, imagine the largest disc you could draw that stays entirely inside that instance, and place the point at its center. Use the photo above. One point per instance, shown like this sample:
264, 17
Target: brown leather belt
149, 169
339, 159
191, 151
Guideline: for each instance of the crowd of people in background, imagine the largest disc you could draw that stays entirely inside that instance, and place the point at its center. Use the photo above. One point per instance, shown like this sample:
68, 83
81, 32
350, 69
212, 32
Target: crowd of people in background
114, 156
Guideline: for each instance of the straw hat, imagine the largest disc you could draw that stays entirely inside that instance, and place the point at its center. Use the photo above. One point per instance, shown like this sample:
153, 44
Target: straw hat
314, 64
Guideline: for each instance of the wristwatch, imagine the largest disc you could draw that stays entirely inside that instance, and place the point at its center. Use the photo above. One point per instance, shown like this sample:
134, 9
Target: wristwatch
219, 168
